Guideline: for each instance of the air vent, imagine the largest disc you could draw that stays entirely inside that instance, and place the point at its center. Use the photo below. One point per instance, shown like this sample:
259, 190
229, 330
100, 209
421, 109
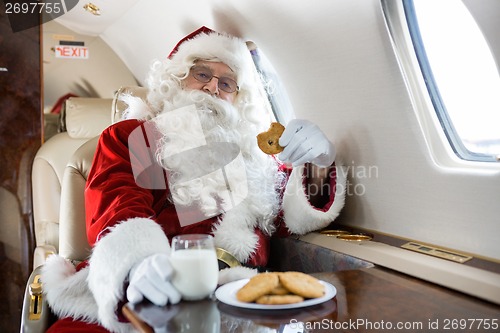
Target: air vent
437, 252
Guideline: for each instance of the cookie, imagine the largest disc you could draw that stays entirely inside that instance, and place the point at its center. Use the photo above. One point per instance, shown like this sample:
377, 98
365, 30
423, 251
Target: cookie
302, 284
280, 290
279, 299
268, 141
259, 285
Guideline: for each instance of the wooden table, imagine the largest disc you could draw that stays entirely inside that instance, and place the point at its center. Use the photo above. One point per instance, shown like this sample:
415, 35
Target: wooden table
367, 300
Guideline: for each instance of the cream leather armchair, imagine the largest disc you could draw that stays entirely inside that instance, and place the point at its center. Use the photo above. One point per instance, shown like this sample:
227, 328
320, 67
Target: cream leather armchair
73, 242
71, 234
81, 120
73, 245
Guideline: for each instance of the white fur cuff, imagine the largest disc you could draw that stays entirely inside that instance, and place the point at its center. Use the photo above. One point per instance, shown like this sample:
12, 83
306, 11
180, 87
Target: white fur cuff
112, 258
300, 216
66, 289
227, 275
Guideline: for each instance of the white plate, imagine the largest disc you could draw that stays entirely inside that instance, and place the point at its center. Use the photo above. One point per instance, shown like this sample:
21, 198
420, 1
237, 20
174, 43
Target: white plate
227, 294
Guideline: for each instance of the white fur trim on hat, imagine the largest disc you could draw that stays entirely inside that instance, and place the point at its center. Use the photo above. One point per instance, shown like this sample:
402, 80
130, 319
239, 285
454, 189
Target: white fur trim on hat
218, 47
300, 216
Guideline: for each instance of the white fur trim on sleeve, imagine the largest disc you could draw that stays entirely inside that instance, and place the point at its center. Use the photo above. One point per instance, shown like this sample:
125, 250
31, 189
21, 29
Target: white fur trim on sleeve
231, 274
235, 233
112, 258
300, 216
67, 291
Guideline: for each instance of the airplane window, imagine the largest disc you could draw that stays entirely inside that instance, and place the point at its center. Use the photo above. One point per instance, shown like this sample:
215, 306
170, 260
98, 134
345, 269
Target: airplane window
274, 89
461, 75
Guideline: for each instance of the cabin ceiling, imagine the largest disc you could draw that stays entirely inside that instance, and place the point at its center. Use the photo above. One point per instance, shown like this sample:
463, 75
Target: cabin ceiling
83, 22
122, 24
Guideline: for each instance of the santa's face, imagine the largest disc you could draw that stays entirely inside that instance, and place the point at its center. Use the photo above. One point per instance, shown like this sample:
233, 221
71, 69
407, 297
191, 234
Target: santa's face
214, 78
211, 158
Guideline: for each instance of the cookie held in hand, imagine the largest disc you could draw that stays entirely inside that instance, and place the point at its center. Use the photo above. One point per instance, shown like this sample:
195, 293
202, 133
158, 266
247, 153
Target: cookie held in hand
269, 141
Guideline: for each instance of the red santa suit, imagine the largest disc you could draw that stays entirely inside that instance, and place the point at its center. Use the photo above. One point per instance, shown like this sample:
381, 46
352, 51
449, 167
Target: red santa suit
130, 217
113, 196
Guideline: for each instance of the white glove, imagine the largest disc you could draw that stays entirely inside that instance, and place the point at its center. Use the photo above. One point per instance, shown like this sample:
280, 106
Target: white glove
150, 279
305, 142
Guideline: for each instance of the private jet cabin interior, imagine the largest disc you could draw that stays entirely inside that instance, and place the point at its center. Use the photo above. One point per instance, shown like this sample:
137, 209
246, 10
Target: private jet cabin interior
421, 162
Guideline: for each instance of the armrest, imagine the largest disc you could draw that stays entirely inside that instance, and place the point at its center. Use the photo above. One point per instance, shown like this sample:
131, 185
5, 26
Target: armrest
42, 252
36, 315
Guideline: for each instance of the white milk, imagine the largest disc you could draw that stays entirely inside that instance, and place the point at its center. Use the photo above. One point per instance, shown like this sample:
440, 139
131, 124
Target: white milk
195, 272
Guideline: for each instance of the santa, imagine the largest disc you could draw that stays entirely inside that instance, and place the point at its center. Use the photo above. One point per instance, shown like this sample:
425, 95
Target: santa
187, 161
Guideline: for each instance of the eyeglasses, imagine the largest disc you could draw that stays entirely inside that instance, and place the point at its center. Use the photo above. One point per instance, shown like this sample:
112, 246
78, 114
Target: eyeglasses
205, 75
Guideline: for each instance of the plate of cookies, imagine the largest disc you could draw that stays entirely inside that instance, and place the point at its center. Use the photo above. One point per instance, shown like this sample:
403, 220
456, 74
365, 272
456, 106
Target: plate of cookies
276, 291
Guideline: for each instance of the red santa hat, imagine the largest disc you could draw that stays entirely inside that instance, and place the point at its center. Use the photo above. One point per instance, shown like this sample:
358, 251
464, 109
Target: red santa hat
207, 44
201, 30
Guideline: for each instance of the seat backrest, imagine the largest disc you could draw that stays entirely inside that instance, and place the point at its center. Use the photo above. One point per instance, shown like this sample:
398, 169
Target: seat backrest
82, 119
73, 243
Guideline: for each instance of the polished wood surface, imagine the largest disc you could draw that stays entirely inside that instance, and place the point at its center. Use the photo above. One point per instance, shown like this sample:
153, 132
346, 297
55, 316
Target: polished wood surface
375, 295
367, 300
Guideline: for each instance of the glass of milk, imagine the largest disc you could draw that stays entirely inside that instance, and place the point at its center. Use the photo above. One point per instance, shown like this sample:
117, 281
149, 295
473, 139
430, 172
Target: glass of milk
196, 269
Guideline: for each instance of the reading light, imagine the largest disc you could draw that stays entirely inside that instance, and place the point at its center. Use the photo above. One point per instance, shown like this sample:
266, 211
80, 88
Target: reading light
93, 9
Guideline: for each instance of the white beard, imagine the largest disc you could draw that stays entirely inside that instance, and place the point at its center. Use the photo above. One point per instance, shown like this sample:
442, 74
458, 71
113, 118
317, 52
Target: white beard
213, 163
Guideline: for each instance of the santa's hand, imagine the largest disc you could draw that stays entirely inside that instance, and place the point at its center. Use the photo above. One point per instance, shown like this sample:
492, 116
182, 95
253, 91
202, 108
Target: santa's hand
305, 142
150, 279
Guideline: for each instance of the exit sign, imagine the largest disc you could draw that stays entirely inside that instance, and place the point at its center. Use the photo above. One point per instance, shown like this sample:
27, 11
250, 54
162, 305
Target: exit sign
71, 51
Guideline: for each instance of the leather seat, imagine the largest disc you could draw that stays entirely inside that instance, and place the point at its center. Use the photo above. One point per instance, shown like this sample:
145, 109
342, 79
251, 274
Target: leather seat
67, 229
73, 242
81, 120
